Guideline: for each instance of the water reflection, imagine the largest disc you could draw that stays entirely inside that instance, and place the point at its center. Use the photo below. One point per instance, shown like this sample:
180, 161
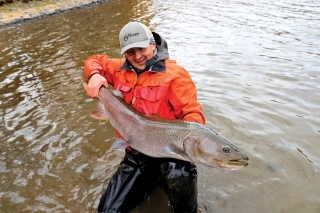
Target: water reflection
256, 68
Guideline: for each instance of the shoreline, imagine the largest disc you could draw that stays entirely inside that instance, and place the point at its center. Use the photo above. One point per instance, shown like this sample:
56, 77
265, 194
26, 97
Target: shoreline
15, 13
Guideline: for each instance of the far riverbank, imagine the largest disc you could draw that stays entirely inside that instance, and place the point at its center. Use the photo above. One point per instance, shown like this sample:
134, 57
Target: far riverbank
19, 12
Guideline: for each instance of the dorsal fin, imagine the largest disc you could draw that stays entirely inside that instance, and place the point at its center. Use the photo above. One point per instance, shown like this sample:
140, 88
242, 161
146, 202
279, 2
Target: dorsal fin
117, 93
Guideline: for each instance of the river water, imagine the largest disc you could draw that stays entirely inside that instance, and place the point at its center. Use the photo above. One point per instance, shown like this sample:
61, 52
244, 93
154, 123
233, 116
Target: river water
256, 65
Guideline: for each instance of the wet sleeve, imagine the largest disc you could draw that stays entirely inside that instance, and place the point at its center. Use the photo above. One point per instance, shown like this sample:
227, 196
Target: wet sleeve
104, 65
183, 98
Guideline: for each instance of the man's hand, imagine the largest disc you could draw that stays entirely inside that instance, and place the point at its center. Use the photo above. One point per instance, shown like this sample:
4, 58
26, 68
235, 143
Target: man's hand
94, 84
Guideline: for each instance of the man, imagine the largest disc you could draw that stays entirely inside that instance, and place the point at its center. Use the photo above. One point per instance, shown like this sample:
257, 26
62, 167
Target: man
156, 86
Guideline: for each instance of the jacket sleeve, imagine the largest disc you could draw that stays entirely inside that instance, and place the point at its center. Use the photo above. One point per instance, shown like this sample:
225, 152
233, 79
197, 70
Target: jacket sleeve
183, 98
104, 65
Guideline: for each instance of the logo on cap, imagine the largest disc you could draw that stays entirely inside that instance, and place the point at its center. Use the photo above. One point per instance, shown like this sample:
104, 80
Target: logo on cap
127, 36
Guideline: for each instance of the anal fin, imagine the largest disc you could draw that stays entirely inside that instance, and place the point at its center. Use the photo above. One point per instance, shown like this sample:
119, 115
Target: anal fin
119, 143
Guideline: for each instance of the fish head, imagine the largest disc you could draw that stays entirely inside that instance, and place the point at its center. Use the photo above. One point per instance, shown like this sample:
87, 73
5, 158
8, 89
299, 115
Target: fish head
206, 147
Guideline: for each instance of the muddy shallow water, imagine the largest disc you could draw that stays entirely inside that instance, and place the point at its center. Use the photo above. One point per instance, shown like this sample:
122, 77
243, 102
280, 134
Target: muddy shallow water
256, 66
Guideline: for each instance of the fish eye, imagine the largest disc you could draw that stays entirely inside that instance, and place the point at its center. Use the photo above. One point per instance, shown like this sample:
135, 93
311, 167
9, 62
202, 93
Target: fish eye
226, 149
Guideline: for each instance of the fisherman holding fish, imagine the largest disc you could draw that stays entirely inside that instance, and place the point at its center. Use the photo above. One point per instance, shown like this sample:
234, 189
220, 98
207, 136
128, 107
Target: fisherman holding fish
154, 85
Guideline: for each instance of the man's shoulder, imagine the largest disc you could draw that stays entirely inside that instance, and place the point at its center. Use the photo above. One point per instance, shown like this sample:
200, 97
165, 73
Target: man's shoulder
172, 64
170, 61
174, 68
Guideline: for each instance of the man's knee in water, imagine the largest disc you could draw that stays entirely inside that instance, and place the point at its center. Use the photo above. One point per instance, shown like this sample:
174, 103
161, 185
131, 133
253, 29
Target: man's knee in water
180, 185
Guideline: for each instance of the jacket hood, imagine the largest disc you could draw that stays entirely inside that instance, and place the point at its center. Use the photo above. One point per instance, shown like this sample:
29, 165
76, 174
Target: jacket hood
162, 47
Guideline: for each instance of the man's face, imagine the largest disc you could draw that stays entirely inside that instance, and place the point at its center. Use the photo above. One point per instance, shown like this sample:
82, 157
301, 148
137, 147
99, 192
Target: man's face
138, 57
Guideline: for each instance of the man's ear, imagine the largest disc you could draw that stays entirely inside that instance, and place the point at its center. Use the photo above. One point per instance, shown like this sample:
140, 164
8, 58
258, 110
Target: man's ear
154, 46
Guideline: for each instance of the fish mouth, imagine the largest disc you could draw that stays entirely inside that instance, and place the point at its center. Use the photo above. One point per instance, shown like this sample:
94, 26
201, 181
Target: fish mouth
238, 162
233, 164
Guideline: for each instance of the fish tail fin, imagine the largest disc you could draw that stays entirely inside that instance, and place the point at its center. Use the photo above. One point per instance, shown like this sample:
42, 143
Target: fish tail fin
99, 112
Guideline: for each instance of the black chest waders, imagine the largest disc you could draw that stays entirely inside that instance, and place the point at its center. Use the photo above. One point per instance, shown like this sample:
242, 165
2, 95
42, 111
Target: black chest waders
139, 174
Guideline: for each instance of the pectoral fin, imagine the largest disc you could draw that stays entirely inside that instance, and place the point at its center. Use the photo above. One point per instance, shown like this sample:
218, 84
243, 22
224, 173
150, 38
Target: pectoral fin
119, 143
172, 149
169, 149
99, 112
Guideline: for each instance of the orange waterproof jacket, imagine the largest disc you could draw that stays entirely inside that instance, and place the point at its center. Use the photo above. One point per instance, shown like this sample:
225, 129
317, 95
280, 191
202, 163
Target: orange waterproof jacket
166, 90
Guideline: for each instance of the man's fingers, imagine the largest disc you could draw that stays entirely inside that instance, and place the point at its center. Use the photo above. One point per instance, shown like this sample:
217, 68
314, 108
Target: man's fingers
85, 85
93, 86
89, 90
96, 91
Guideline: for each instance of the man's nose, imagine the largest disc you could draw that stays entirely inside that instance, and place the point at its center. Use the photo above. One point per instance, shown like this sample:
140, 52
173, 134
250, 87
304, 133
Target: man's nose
137, 54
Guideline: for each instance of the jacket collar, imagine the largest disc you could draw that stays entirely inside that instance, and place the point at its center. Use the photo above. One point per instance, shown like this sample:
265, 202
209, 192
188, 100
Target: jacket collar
159, 66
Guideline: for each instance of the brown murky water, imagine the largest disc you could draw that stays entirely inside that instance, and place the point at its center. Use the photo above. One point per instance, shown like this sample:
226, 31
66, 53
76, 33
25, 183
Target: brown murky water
257, 68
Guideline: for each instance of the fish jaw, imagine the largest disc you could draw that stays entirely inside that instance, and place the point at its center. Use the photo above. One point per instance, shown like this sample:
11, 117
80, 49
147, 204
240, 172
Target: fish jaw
232, 164
228, 165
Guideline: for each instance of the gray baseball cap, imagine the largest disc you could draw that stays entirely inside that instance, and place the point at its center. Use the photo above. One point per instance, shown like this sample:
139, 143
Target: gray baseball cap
134, 34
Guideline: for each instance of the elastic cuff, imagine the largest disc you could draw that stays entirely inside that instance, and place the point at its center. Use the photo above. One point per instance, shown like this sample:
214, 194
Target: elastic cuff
93, 75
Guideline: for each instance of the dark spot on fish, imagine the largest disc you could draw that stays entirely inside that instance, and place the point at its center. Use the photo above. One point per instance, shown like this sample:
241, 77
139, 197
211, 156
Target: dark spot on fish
226, 149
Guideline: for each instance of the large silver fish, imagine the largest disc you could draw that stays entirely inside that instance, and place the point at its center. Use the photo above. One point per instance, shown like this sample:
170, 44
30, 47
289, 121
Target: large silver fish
160, 138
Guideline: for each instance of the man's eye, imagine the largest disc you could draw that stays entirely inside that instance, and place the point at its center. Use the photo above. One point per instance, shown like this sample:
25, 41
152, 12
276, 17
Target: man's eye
130, 52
